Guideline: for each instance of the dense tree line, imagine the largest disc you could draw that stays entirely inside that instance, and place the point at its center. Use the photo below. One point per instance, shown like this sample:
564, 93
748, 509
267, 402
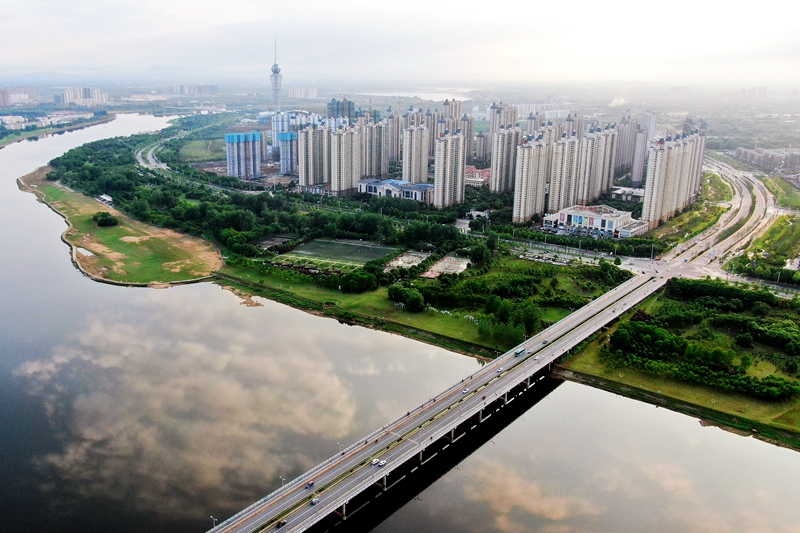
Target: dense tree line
654, 350
687, 289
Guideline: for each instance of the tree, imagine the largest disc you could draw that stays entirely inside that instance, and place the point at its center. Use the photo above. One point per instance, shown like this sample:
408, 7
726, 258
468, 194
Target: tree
745, 363
480, 254
761, 309
414, 301
745, 340
617, 261
105, 219
358, 281
492, 240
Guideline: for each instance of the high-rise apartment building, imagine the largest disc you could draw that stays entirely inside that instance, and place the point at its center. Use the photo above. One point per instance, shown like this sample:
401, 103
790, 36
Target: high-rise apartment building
482, 142
573, 125
640, 147
467, 128
86, 96
313, 156
451, 109
563, 173
647, 121
606, 157
394, 136
673, 176
500, 115
415, 154
244, 154
374, 150
626, 138
504, 157
345, 160
287, 140
530, 179
449, 163
341, 108
193, 89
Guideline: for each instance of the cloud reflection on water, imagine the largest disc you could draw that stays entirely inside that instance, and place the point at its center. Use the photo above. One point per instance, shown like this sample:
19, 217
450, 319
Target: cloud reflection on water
173, 410
507, 489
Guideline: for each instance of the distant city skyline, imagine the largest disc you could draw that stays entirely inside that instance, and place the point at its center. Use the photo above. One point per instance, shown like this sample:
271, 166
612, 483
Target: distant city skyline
690, 43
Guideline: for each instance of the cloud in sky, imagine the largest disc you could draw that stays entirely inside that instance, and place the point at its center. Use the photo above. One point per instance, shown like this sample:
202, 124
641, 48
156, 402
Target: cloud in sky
415, 41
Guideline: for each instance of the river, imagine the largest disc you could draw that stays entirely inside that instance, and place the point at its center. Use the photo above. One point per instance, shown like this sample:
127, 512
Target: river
135, 410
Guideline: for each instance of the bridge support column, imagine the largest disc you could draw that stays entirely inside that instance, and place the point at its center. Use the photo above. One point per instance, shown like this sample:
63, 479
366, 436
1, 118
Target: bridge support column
343, 513
505, 398
528, 383
382, 484
480, 416
452, 436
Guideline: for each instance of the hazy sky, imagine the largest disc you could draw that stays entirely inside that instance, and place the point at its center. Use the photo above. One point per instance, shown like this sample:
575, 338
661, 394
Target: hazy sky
441, 41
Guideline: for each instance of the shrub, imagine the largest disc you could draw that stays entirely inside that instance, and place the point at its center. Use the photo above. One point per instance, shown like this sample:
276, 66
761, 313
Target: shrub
104, 218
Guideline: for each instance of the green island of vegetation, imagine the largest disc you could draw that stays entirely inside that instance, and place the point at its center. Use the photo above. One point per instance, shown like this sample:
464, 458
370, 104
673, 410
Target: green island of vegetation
726, 353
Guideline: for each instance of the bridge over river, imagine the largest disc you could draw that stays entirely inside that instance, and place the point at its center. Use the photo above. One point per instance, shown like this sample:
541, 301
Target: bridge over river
369, 469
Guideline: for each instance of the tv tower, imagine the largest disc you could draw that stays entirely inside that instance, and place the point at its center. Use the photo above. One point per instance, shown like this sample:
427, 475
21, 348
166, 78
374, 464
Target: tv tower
276, 80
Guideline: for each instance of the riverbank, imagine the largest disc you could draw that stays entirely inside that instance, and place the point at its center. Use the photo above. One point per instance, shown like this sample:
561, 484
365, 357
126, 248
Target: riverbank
777, 422
246, 289
131, 253
24, 135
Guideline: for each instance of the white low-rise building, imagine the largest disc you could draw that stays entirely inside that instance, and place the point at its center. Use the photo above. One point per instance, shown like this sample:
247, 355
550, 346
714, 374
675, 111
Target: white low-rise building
420, 192
600, 219
627, 194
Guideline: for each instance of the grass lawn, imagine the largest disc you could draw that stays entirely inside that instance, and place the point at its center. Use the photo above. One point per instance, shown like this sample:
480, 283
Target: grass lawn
699, 217
203, 150
131, 252
714, 189
782, 238
787, 195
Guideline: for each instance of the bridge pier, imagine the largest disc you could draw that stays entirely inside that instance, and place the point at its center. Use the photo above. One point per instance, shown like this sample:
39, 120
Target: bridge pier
343, 513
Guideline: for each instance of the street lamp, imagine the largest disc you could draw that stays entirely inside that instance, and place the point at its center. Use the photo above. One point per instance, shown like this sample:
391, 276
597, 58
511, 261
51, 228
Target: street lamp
340, 447
282, 481
214, 522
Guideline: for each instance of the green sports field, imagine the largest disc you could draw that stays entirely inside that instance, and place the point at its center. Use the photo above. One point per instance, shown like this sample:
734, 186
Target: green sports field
344, 251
